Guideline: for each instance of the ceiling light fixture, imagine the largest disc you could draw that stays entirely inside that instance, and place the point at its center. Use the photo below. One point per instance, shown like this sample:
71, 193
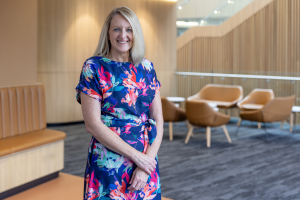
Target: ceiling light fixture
182, 4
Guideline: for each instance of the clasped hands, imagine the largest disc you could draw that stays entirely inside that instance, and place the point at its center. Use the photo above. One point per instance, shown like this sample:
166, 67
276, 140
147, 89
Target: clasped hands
145, 165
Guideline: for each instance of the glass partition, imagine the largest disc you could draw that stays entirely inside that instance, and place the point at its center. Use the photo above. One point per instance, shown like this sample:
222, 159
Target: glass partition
214, 17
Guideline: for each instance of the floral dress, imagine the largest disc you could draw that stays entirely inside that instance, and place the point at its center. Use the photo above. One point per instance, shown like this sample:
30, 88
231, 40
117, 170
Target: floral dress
126, 93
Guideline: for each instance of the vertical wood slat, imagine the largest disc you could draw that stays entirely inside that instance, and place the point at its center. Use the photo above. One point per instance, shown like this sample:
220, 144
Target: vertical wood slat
28, 109
42, 107
5, 113
35, 107
13, 108
21, 110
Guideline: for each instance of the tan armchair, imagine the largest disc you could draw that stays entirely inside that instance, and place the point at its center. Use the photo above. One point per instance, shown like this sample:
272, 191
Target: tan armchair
278, 109
171, 114
224, 96
201, 114
255, 101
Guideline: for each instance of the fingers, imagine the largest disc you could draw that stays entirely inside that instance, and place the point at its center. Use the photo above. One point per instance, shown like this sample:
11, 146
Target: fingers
147, 163
137, 185
138, 180
132, 178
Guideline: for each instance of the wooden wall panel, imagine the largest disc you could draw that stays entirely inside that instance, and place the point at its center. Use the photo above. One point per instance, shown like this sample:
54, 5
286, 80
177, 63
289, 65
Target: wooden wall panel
265, 43
18, 43
68, 34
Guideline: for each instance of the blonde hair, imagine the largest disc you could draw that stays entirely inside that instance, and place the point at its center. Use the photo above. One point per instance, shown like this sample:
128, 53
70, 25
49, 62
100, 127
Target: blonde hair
137, 51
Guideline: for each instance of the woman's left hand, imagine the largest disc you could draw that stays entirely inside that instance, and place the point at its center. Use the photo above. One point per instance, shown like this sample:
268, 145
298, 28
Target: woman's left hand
138, 180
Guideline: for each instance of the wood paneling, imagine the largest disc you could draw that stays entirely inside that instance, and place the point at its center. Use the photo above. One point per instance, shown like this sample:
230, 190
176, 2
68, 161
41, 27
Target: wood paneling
264, 43
227, 26
68, 34
25, 166
18, 42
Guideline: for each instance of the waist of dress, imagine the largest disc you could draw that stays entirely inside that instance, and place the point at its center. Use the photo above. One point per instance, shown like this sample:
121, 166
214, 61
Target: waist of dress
129, 120
132, 121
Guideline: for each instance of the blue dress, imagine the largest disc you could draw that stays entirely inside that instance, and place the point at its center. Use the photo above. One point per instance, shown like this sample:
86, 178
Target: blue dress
126, 93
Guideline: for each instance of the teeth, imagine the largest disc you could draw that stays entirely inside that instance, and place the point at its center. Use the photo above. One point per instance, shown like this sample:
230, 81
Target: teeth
121, 42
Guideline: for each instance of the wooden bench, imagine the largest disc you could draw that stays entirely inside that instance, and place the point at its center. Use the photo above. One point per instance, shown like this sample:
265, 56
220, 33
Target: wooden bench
29, 153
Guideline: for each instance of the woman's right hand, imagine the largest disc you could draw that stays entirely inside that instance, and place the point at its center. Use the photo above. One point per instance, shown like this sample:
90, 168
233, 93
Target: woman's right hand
145, 162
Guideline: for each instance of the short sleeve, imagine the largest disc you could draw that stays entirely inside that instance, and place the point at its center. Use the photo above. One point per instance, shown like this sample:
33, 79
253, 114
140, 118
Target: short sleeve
156, 81
88, 81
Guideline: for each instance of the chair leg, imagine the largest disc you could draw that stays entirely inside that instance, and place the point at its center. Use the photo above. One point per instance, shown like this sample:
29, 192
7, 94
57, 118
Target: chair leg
226, 133
259, 125
188, 126
267, 134
291, 122
208, 136
190, 132
239, 122
237, 129
171, 131
281, 125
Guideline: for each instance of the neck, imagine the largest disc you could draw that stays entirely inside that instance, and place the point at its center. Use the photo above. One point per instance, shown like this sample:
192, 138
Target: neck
119, 57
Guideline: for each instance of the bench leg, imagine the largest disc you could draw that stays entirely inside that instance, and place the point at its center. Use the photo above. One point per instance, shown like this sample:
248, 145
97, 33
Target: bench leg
259, 125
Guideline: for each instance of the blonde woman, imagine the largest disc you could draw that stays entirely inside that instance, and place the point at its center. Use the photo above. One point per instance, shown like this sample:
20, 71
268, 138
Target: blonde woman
119, 95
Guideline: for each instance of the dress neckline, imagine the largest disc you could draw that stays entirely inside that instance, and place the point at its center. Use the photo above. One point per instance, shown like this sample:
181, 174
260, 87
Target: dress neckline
113, 61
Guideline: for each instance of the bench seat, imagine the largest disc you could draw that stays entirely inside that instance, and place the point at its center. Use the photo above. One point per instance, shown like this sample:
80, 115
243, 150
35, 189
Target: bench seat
29, 140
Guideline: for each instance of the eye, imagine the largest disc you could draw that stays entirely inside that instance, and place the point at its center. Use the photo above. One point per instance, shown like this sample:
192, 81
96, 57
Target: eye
129, 30
116, 29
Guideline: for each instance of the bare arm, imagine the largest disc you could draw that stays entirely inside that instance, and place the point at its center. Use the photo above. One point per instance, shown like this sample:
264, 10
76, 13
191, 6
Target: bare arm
91, 110
139, 178
156, 114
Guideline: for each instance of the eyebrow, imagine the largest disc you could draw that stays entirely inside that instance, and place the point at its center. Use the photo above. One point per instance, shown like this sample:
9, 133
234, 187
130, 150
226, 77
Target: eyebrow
120, 27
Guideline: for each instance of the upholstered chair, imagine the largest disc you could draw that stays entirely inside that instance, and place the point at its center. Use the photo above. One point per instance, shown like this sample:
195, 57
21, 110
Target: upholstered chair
224, 96
201, 114
278, 109
171, 114
255, 101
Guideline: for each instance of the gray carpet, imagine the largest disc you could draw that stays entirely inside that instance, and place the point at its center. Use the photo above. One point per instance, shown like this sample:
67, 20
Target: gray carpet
249, 168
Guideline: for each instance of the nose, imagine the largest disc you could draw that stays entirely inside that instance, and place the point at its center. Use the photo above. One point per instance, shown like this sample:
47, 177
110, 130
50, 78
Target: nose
123, 34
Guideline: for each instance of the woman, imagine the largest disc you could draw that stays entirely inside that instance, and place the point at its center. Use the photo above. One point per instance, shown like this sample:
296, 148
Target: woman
119, 95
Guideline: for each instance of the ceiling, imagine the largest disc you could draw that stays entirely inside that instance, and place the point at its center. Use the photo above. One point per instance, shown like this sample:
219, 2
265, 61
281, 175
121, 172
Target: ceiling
198, 9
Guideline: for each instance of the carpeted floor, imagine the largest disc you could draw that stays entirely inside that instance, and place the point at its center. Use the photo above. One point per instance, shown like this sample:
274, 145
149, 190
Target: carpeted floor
249, 168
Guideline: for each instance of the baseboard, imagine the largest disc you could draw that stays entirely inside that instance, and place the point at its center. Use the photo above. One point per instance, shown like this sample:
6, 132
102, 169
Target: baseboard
27, 186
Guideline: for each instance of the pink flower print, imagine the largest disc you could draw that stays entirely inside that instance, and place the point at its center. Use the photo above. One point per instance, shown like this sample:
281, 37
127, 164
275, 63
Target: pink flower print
141, 84
130, 97
92, 93
148, 190
119, 193
127, 129
93, 188
117, 130
131, 66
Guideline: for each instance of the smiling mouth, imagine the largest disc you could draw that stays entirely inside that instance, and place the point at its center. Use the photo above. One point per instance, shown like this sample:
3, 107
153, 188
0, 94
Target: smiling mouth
122, 42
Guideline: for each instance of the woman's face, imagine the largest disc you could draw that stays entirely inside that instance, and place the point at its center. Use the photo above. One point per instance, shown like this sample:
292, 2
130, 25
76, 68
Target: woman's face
120, 35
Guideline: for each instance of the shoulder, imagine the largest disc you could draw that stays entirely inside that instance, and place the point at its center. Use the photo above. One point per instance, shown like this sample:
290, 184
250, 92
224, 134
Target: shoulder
97, 60
148, 65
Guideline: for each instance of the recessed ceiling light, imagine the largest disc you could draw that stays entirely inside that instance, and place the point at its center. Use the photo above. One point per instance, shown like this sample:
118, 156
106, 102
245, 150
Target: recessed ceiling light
179, 7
